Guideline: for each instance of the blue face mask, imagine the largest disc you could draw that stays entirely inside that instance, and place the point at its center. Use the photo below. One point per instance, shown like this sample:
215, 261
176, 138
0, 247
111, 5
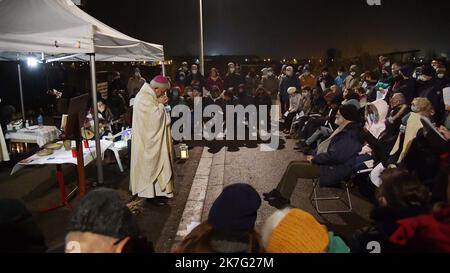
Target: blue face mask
413, 108
373, 117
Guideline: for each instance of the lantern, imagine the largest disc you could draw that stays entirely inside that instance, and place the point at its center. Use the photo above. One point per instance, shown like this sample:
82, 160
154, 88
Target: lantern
184, 153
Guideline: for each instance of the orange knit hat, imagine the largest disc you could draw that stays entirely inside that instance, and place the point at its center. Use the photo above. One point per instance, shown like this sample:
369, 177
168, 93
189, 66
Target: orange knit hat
298, 232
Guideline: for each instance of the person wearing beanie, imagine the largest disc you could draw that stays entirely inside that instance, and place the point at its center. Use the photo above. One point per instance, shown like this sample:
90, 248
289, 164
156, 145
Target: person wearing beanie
230, 227
332, 162
102, 223
289, 81
353, 80
151, 174
292, 230
294, 108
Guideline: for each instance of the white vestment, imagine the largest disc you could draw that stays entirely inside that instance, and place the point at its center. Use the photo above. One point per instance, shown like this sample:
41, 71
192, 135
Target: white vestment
4, 156
151, 171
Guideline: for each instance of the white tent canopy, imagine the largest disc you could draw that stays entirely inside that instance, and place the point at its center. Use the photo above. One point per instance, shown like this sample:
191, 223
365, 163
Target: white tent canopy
58, 28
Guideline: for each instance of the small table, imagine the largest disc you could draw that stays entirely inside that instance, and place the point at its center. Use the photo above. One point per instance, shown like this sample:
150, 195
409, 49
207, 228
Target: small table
60, 157
39, 135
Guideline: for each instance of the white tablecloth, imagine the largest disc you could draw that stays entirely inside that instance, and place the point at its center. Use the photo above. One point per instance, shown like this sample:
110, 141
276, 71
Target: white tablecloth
62, 156
40, 135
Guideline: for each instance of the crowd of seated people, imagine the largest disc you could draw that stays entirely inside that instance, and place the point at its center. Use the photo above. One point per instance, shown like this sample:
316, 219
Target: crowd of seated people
386, 130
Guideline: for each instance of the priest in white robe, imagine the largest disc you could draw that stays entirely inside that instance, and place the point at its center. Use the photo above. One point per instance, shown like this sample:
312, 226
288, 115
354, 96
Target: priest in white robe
151, 174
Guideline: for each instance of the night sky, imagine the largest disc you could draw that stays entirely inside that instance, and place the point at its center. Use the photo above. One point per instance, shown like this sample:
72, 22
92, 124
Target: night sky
282, 28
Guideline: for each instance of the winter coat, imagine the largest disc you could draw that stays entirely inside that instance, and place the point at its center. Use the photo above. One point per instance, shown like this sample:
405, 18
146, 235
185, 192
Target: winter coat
328, 80
424, 233
285, 84
271, 84
210, 83
351, 82
384, 224
251, 83
233, 80
407, 87
432, 91
308, 81
244, 99
337, 163
339, 81
294, 103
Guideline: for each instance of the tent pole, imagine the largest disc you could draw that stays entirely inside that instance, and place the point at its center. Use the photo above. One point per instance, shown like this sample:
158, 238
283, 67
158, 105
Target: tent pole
21, 92
163, 69
202, 48
94, 105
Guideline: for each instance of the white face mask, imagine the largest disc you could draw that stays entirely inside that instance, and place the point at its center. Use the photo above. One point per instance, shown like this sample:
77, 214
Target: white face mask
137, 74
387, 64
189, 93
289, 73
307, 73
194, 72
232, 70
441, 76
353, 73
269, 73
340, 73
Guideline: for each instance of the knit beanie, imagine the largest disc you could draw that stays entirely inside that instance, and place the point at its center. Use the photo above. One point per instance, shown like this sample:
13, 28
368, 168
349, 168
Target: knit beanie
291, 90
349, 112
297, 232
235, 209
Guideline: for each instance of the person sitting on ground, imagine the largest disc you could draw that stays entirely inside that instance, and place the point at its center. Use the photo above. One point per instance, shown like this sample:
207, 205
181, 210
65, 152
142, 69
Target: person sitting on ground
230, 227
401, 195
102, 223
19, 232
332, 162
291, 230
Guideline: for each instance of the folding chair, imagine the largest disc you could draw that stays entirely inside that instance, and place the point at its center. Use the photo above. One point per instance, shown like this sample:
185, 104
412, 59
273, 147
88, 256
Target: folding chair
315, 199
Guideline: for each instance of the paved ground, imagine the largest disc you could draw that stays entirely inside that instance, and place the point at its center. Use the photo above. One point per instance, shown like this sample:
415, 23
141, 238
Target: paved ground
263, 170
208, 170
37, 188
